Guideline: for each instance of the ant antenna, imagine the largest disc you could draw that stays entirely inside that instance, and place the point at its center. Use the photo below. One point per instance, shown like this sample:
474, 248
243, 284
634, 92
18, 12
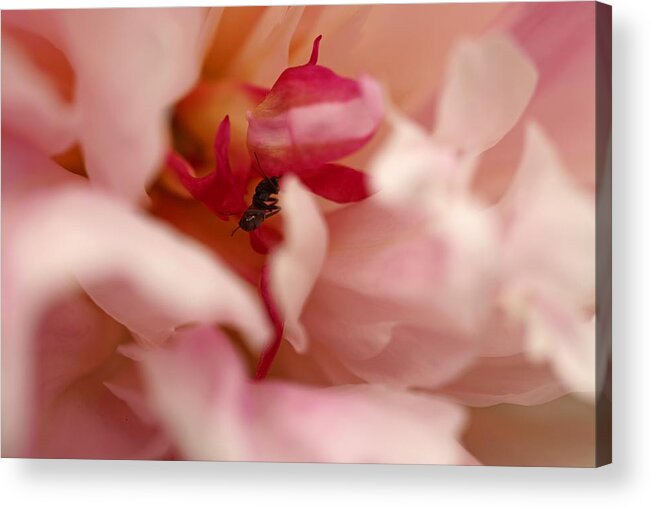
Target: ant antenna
234, 231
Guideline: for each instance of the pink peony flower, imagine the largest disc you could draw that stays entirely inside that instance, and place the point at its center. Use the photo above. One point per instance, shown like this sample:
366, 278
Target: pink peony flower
418, 268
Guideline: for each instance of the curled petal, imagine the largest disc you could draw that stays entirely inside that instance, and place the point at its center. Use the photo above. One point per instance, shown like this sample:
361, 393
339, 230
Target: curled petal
202, 394
311, 117
489, 84
221, 191
314, 57
337, 183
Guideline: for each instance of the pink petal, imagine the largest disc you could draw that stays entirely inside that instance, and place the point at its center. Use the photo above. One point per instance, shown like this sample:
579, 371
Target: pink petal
221, 191
311, 117
401, 299
337, 183
488, 86
445, 264
56, 249
200, 390
295, 265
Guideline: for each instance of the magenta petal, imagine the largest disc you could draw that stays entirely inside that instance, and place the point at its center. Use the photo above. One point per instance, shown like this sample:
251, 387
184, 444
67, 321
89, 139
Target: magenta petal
264, 239
337, 183
221, 191
312, 117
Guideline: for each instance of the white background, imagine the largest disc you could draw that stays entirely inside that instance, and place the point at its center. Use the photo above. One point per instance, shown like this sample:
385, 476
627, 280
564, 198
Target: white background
626, 482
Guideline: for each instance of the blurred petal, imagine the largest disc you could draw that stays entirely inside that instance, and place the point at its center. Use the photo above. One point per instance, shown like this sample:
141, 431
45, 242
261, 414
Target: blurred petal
410, 168
545, 207
138, 272
217, 415
31, 105
73, 413
295, 265
551, 290
489, 84
337, 183
147, 60
311, 117
75, 236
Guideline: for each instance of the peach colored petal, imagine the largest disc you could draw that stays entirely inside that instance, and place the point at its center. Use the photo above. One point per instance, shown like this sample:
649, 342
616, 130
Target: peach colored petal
405, 49
216, 414
488, 85
265, 52
295, 265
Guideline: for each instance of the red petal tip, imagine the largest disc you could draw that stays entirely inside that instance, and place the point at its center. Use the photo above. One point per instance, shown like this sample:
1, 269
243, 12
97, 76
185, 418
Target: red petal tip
315, 51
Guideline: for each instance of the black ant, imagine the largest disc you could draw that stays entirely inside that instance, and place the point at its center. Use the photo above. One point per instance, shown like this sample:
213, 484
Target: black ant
263, 205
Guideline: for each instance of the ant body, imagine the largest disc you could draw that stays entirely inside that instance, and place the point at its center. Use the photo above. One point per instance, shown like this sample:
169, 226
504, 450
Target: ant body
263, 205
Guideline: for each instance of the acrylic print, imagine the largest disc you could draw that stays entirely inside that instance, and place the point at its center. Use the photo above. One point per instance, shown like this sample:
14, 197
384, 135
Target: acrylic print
342, 234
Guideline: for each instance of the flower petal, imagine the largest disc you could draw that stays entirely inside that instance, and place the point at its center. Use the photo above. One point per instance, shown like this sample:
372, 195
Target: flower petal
489, 84
200, 390
337, 183
221, 191
311, 117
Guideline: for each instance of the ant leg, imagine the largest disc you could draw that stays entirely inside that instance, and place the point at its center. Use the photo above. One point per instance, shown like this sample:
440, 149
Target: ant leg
273, 212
